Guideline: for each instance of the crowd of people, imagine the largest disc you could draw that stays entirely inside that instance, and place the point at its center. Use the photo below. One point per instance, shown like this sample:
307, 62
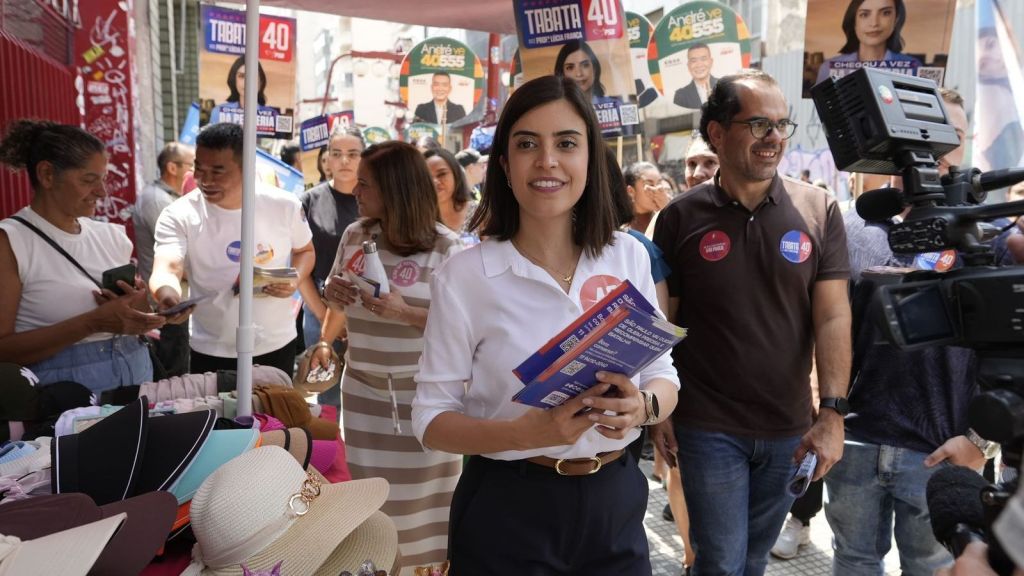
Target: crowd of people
486, 259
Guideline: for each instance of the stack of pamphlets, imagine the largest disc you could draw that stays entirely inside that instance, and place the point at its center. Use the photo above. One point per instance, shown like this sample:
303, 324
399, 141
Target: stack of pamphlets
622, 333
266, 276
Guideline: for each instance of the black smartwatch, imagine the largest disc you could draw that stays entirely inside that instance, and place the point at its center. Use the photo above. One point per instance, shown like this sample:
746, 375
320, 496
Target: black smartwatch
840, 405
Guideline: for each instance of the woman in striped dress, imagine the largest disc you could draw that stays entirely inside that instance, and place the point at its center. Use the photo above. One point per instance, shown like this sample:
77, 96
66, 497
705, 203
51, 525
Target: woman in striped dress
399, 212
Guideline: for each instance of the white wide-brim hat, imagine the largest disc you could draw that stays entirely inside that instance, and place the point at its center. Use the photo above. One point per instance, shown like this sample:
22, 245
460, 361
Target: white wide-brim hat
70, 552
248, 513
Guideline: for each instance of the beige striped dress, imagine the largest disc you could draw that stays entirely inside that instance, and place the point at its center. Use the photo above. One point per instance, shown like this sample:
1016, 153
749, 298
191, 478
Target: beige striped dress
421, 483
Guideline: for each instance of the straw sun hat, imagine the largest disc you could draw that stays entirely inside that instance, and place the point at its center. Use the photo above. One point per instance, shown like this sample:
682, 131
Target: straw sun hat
263, 511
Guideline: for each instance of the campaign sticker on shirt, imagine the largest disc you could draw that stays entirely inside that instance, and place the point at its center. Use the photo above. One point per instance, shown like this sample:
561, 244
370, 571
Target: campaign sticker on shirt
405, 274
937, 261
795, 246
234, 251
715, 245
264, 254
597, 287
356, 263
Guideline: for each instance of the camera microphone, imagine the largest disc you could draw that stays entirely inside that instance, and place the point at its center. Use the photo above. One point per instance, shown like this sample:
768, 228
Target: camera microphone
954, 505
959, 517
880, 205
996, 179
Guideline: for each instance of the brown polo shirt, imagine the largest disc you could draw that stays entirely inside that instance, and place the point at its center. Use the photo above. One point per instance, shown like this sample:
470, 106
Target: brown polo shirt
744, 282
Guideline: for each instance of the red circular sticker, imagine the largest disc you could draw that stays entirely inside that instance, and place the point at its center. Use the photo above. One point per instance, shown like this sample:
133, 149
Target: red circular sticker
405, 274
356, 263
597, 287
715, 245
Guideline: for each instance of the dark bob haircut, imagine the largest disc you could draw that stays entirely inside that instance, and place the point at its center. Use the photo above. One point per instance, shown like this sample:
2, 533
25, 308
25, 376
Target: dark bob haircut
497, 215
233, 95
462, 193
895, 41
723, 103
575, 46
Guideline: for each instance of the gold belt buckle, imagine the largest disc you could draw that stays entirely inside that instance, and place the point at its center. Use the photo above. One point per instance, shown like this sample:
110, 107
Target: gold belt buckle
593, 459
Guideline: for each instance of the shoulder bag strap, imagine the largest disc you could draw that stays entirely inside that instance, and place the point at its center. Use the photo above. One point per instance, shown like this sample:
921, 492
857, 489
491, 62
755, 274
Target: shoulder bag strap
57, 247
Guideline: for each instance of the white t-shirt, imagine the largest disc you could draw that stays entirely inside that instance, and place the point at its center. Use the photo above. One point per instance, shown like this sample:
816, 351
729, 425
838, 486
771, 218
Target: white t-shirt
52, 289
208, 238
491, 308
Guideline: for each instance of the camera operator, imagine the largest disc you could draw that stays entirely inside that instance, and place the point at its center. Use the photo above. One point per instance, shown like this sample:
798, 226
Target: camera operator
908, 416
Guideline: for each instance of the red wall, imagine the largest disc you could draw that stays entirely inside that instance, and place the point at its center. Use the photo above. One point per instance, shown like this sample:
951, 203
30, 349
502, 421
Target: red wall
34, 86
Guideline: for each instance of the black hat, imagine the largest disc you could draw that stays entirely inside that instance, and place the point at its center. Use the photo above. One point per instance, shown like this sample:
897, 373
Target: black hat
104, 460
18, 395
129, 551
171, 444
54, 400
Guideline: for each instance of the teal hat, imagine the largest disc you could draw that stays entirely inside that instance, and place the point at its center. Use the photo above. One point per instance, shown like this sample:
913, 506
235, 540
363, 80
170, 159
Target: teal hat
220, 446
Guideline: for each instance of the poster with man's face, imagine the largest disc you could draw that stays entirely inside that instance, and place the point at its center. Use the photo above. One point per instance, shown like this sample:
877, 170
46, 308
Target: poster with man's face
693, 46
903, 36
586, 41
222, 71
441, 81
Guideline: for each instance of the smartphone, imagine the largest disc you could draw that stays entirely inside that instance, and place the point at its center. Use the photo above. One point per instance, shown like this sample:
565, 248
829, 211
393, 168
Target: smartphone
125, 273
182, 306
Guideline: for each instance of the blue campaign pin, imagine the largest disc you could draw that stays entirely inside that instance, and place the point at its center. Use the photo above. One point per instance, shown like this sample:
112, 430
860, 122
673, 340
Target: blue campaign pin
937, 261
795, 246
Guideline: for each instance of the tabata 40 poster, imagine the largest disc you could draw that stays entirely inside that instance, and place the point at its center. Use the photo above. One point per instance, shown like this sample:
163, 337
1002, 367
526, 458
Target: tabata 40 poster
584, 40
222, 71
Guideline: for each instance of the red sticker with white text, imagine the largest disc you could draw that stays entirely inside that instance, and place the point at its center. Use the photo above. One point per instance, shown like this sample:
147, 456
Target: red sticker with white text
715, 245
356, 263
597, 287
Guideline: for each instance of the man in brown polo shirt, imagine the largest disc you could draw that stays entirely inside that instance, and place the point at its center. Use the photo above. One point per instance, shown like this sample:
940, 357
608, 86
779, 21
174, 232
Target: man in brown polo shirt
759, 276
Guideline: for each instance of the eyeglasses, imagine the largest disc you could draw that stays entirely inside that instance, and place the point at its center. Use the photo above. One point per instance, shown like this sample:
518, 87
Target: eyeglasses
761, 127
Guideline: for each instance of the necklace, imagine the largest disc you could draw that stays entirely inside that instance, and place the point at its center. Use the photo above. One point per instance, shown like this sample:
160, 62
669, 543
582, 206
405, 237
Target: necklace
565, 278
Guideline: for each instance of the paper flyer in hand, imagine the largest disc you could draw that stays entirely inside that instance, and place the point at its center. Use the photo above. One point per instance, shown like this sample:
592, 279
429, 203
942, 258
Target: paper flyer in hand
266, 276
621, 333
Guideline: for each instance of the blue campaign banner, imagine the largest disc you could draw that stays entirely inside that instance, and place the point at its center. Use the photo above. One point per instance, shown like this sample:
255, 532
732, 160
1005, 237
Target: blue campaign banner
190, 128
550, 22
314, 133
223, 30
284, 176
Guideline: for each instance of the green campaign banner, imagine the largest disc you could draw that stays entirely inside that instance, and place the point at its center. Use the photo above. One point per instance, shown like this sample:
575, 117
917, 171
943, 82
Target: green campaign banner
376, 134
441, 80
693, 46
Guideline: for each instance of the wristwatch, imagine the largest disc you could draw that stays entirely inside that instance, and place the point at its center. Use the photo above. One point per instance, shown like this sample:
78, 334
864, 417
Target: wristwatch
839, 404
651, 407
987, 447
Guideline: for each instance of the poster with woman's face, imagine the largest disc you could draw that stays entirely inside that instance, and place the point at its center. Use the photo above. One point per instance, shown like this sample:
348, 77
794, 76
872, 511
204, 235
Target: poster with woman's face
222, 71
441, 81
586, 41
903, 36
693, 46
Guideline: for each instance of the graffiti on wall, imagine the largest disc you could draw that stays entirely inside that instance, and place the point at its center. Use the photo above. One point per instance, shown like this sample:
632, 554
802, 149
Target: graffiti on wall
103, 58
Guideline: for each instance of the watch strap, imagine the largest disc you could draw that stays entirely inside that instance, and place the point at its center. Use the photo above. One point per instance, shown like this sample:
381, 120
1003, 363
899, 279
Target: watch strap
837, 403
987, 447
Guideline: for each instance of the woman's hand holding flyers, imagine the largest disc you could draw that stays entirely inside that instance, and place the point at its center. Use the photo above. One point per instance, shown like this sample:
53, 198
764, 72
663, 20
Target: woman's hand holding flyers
625, 402
560, 425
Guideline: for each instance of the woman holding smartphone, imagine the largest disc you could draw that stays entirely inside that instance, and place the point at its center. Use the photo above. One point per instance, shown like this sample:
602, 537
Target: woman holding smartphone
55, 318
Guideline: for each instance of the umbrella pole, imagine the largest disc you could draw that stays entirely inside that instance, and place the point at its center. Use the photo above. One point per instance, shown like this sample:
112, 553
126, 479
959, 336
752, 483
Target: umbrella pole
245, 335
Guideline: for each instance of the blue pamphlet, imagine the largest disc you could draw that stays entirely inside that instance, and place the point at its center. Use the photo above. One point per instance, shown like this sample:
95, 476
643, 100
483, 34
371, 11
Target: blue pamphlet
621, 333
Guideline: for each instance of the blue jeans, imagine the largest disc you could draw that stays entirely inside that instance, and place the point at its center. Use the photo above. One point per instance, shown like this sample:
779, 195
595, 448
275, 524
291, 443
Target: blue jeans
99, 366
870, 486
736, 495
311, 334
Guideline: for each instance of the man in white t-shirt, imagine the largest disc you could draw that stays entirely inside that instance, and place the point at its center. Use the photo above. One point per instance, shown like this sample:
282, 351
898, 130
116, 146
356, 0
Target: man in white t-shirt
200, 235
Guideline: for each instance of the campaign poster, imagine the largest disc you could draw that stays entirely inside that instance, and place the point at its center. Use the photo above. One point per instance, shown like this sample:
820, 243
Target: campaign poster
376, 135
904, 36
693, 46
418, 130
639, 31
222, 71
515, 77
441, 81
584, 40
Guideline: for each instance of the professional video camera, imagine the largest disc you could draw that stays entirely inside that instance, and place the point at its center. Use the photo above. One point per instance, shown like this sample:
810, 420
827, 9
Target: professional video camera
884, 123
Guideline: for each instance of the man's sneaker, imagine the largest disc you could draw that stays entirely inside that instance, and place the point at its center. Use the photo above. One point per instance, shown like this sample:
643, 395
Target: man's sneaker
794, 535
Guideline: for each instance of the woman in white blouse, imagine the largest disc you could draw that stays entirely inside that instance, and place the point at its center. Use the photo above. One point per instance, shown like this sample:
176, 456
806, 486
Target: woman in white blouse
562, 495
